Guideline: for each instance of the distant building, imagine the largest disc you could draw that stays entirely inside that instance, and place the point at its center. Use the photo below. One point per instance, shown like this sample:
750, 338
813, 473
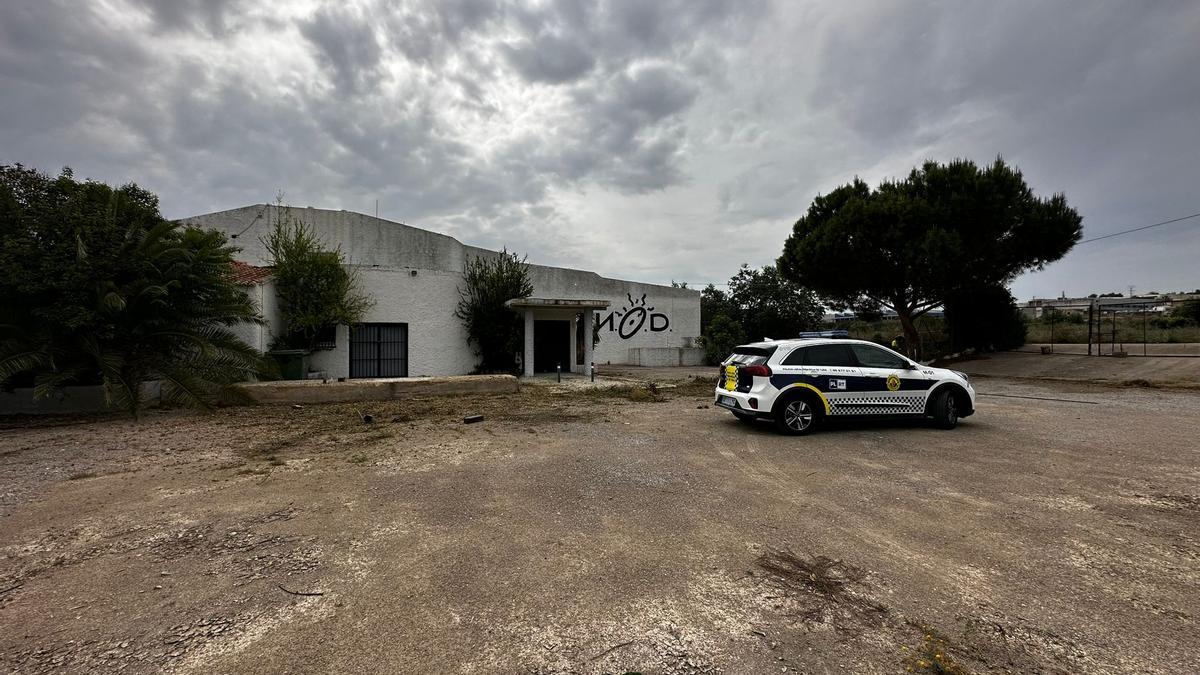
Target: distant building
1155, 303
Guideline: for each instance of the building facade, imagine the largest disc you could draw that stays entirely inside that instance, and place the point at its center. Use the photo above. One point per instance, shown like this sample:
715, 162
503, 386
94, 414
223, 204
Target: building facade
414, 277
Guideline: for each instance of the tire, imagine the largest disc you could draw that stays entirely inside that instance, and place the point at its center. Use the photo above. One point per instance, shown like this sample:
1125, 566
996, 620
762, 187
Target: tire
744, 418
797, 416
944, 410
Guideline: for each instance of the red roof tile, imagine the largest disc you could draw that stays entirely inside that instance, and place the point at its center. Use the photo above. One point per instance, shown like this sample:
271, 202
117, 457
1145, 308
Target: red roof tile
249, 275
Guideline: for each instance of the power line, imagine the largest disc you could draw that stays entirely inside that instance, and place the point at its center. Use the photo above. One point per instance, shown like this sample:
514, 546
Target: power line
1139, 229
1085, 241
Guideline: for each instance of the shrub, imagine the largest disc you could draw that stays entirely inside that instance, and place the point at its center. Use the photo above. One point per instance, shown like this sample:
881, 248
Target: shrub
722, 336
99, 288
1187, 311
313, 285
984, 319
494, 330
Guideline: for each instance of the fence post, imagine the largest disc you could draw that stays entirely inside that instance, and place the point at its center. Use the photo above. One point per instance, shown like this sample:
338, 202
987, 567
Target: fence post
1052, 332
1112, 348
1091, 311
1143, 331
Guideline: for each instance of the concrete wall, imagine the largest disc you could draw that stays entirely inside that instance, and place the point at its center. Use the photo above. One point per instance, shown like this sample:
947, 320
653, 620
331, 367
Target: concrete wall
70, 400
665, 356
639, 315
315, 391
260, 336
437, 341
414, 276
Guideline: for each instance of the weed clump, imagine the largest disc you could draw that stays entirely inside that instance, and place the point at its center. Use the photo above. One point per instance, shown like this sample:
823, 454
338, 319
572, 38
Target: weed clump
819, 575
932, 656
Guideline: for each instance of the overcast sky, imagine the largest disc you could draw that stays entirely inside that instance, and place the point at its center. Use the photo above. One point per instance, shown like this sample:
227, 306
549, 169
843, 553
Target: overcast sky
649, 140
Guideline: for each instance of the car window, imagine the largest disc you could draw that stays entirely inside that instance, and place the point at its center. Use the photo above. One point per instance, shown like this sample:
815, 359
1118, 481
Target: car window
874, 357
821, 355
749, 356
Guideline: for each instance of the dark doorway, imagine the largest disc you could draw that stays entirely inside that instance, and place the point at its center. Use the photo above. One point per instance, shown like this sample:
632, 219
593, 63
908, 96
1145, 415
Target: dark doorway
580, 348
379, 350
551, 346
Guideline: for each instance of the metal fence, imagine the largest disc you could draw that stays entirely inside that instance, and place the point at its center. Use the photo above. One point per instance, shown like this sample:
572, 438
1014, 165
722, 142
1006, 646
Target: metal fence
1111, 327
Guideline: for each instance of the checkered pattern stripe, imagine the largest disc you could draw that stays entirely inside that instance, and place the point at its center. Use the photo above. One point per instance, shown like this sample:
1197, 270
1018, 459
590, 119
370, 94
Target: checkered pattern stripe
877, 405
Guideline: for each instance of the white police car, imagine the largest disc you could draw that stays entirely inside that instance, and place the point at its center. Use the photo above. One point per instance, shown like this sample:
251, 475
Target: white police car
798, 383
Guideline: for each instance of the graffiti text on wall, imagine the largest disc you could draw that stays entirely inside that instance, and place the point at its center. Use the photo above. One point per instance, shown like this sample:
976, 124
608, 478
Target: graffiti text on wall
634, 318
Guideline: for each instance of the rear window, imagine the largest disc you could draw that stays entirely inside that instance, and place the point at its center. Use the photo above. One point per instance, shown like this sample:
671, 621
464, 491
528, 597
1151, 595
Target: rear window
749, 356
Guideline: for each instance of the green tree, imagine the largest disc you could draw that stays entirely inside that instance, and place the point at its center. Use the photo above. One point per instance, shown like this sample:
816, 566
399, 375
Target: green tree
907, 244
713, 302
1187, 311
984, 319
723, 334
314, 286
495, 331
771, 305
100, 289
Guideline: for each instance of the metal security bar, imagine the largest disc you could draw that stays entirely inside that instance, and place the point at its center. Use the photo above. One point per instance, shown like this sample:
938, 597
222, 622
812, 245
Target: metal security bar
379, 350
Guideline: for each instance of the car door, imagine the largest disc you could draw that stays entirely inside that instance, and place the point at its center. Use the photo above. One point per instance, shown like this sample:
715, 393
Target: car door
893, 386
829, 369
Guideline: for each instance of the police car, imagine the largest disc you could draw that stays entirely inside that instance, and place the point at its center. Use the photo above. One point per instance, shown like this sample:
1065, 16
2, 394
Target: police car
799, 383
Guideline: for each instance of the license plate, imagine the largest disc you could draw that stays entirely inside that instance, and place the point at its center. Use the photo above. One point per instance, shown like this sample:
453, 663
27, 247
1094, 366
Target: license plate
728, 400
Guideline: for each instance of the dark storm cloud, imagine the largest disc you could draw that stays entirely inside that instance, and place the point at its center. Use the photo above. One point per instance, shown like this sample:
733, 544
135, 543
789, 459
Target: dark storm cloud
347, 45
634, 137
549, 58
211, 16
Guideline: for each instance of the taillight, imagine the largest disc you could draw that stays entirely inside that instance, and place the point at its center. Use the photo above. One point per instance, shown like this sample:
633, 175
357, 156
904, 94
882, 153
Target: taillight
756, 371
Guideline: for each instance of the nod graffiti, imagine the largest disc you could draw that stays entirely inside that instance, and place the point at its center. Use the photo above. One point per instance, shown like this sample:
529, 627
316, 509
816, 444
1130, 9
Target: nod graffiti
633, 318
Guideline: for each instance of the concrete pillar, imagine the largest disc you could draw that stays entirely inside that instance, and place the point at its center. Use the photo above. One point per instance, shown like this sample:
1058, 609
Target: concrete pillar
574, 352
528, 356
589, 318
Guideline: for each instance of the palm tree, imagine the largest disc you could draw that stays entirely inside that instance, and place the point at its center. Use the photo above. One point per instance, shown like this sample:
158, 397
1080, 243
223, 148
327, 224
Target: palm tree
139, 299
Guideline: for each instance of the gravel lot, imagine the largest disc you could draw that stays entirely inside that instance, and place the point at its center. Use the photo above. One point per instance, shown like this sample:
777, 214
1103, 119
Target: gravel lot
582, 531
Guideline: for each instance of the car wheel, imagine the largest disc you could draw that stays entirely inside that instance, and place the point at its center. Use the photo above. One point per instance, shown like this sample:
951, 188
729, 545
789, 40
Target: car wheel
796, 416
746, 418
945, 410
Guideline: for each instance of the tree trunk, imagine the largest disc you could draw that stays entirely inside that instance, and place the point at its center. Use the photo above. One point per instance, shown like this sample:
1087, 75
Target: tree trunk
912, 337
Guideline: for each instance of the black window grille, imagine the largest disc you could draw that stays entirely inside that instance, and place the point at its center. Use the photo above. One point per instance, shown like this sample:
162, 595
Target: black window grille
379, 350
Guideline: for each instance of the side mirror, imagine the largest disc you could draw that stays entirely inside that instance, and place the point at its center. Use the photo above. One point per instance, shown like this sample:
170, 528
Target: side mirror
913, 366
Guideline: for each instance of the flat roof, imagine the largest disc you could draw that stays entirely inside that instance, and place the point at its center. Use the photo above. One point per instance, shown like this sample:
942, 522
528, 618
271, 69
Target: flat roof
556, 303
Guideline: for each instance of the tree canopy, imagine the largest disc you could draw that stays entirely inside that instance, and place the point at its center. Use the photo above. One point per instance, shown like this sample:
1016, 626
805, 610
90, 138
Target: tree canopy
761, 303
909, 244
99, 288
314, 286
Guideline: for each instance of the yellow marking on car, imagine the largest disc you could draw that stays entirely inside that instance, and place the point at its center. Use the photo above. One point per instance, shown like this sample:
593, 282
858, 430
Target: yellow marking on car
828, 410
731, 378
893, 383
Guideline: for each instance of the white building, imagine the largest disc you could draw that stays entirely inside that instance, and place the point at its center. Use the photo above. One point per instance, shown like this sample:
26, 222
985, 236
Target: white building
414, 277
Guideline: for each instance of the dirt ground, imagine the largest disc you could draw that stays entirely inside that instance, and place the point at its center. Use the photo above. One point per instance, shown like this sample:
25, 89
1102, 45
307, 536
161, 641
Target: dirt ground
1151, 371
584, 531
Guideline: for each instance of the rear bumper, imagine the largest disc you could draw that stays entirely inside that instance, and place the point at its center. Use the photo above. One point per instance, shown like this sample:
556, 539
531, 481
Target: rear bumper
737, 401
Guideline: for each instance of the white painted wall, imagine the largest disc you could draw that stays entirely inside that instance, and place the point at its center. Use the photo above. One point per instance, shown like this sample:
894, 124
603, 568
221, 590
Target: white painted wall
414, 276
260, 336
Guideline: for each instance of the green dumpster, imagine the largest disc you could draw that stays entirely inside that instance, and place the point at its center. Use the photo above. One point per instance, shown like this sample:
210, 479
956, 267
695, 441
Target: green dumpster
293, 363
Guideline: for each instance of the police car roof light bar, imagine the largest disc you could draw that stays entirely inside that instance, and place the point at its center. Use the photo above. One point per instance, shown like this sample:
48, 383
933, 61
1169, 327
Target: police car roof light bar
838, 333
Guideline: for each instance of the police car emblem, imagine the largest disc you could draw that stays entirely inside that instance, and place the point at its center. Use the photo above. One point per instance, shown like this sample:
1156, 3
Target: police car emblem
893, 383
